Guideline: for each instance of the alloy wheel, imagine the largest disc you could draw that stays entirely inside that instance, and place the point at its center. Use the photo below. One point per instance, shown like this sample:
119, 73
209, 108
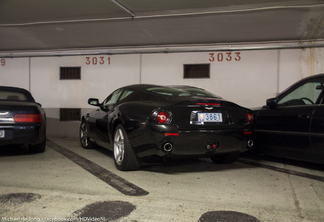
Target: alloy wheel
119, 147
84, 135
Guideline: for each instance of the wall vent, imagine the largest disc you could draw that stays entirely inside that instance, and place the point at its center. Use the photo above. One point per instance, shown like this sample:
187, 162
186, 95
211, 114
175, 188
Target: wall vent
70, 73
70, 114
196, 71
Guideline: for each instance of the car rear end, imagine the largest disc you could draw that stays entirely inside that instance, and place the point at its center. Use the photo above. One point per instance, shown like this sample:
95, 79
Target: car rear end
197, 125
21, 122
202, 128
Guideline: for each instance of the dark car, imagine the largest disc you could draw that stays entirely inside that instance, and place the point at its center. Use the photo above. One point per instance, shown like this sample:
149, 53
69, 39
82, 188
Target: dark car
22, 120
292, 124
139, 121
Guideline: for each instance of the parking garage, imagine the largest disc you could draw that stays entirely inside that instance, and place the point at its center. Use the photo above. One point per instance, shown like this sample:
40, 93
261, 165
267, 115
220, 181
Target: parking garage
65, 53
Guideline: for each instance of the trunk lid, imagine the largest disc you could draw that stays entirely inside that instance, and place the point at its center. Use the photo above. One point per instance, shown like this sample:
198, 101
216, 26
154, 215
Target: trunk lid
8, 109
207, 113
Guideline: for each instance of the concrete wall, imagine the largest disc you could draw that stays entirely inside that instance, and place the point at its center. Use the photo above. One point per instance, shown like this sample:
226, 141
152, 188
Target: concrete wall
245, 77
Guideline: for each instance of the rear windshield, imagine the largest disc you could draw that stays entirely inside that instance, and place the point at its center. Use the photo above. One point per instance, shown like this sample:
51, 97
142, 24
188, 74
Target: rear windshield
10, 95
181, 92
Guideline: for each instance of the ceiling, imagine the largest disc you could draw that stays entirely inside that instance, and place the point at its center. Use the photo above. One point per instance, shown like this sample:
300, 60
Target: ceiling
38, 25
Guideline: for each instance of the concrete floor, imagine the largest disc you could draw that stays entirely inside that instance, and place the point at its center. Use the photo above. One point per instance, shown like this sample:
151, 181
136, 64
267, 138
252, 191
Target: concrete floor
84, 185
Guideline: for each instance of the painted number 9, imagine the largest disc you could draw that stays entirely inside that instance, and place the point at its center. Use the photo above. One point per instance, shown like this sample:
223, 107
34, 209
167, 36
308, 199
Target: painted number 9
3, 62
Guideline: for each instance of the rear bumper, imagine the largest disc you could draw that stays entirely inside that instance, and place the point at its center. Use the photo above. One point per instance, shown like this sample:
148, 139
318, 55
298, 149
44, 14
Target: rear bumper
189, 142
31, 134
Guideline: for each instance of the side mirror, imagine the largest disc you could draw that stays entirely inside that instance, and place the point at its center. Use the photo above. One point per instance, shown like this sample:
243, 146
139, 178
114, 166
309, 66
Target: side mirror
272, 103
93, 102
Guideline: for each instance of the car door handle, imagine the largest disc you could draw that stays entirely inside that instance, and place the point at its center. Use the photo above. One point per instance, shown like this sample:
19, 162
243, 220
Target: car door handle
303, 116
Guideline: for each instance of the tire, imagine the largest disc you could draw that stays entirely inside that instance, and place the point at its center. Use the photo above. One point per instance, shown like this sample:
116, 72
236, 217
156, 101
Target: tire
225, 158
124, 156
84, 137
38, 148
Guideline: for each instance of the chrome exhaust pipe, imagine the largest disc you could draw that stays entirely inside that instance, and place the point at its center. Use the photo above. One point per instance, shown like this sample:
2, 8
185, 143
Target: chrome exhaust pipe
249, 143
167, 147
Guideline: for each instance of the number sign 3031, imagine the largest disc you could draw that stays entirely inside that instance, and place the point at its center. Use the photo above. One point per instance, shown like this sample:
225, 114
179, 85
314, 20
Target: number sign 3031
101, 60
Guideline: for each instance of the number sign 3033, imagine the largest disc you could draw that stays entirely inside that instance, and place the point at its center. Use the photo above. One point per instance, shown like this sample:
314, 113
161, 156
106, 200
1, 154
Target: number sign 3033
228, 56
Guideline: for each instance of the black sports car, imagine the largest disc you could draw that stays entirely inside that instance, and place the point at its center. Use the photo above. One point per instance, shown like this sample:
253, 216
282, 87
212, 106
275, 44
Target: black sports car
292, 124
22, 120
145, 120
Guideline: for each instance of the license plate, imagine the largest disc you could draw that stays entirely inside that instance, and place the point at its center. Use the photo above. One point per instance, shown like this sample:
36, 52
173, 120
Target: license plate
210, 117
2, 134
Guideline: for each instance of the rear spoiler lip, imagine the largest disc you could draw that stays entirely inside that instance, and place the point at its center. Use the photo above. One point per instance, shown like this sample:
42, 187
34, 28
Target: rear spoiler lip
202, 102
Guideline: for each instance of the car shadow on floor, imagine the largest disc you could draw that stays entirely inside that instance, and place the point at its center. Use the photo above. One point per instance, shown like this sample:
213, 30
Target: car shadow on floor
179, 165
189, 165
173, 165
262, 157
14, 150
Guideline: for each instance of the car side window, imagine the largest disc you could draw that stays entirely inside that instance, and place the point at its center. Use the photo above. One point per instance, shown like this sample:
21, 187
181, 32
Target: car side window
113, 98
125, 94
305, 94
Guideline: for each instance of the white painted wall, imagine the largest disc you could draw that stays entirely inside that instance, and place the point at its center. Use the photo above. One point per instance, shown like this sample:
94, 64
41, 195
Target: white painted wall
15, 72
96, 80
238, 81
257, 75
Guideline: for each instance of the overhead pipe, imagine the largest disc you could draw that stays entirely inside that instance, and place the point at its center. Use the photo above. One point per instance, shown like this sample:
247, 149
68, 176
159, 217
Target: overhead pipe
172, 49
225, 11
124, 8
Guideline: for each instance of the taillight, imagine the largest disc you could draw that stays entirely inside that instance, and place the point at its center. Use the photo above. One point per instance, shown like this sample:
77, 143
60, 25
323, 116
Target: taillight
249, 117
28, 118
171, 134
162, 117
208, 104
